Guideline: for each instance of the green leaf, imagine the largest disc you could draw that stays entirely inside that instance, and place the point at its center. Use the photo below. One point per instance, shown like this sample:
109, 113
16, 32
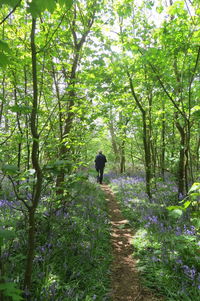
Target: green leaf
7, 234
159, 9
195, 187
194, 194
4, 46
67, 3
4, 60
195, 108
21, 109
34, 9
176, 213
187, 204
170, 208
2, 98
10, 169
12, 3
51, 5
10, 290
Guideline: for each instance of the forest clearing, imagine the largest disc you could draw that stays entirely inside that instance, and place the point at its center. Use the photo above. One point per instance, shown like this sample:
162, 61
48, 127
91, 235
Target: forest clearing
99, 150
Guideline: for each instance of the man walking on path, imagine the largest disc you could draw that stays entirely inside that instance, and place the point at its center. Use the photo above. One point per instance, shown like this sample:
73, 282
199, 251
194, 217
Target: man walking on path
100, 161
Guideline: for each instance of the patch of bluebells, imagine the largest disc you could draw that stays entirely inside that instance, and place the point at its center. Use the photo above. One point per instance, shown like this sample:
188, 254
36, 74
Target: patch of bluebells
80, 226
189, 230
153, 215
3, 203
6, 204
7, 208
151, 220
10, 205
191, 273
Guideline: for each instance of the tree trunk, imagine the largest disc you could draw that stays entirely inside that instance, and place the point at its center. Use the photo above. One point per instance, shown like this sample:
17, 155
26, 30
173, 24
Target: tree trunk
182, 162
114, 143
122, 159
150, 141
35, 163
146, 140
163, 145
1, 274
3, 97
59, 102
147, 152
197, 152
19, 153
31, 249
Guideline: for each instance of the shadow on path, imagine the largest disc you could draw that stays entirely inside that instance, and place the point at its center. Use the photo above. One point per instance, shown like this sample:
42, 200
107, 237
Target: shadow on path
125, 277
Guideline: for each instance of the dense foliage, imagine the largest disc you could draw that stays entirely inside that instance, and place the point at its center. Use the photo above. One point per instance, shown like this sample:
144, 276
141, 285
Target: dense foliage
79, 76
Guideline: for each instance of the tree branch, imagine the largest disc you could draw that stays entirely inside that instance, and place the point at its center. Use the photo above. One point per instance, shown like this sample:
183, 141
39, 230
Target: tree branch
165, 90
16, 193
11, 12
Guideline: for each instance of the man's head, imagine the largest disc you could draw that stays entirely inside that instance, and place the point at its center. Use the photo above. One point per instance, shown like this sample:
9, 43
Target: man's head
100, 152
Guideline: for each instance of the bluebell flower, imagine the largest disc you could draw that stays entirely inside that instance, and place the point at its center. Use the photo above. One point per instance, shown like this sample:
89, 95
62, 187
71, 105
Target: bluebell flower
178, 231
190, 272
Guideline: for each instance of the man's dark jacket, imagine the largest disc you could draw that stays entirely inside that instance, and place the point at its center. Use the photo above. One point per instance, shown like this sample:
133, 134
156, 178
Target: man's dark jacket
100, 161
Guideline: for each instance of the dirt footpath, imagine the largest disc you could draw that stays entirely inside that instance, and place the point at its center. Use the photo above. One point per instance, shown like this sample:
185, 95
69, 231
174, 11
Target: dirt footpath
125, 277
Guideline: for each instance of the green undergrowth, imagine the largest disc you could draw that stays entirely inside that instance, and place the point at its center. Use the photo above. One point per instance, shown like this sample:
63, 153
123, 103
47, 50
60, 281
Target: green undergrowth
166, 243
72, 257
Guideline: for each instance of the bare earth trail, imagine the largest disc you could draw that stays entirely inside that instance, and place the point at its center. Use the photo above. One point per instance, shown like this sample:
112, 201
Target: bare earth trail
125, 277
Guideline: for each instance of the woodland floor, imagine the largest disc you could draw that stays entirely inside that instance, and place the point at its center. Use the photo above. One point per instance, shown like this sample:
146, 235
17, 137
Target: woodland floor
125, 279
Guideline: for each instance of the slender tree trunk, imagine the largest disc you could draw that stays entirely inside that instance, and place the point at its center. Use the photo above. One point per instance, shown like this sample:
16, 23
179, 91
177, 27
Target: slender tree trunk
197, 151
1, 275
63, 150
147, 152
122, 159
27, 121
114, 143
3, 97
146, 141
3, 84
163, 144
19, 154
31, 249
35, 163
59, 102
132, 157
173, 139
124, 121
182, 161
151, 141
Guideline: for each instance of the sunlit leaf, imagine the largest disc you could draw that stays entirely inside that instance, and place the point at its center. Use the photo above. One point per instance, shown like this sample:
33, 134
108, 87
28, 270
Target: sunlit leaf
195, 186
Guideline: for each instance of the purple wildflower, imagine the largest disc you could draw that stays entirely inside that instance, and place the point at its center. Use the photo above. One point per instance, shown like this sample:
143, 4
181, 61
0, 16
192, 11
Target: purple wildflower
190, 231
190, 272
178, 231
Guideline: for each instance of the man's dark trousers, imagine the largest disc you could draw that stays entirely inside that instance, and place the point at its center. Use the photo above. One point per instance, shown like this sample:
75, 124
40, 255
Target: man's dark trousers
100, 174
